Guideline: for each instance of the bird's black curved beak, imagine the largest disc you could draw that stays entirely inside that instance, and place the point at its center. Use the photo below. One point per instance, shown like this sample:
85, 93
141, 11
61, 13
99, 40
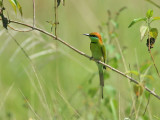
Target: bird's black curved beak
86, 34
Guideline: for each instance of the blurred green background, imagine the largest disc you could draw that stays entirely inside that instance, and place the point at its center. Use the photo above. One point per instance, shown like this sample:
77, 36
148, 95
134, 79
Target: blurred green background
65, 85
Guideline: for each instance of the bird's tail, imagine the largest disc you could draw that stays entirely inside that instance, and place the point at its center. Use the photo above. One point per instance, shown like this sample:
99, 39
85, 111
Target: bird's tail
101, 77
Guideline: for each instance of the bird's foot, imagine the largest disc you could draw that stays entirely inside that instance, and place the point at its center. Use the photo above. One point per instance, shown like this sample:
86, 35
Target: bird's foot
91, 58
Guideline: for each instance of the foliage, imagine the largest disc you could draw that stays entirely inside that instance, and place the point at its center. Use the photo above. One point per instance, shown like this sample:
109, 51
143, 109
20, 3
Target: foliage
16, 5
153, 32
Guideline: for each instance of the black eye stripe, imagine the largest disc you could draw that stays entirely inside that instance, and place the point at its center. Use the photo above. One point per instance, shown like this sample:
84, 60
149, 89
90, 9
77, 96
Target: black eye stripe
92, 35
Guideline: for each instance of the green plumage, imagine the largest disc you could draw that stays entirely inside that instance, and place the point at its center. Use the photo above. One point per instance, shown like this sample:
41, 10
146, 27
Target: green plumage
99, 53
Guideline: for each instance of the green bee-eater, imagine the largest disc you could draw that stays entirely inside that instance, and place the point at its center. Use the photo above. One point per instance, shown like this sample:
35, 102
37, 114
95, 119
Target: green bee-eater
99, 53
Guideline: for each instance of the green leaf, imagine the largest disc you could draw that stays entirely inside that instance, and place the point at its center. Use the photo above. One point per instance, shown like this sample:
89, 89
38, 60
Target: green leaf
138, 90
19, 8
149, 13
137, 20
14, 5
133, 72
92, 91
144, 67
143, 31
148, 76
113, 105
155, 18
153, 32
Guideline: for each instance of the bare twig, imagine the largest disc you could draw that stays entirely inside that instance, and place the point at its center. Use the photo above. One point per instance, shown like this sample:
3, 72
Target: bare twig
153, 3
133, 109
85, 55
25, 53
149, 48
20, 30
30, 106
118, 13
34, 12
153, 61
55, 15
74, 110
147, 104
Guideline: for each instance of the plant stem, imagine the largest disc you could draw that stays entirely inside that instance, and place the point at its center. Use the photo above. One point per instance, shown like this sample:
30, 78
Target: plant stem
149, 47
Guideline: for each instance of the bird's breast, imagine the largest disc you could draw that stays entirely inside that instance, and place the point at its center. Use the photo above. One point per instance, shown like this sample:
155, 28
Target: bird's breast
96, 51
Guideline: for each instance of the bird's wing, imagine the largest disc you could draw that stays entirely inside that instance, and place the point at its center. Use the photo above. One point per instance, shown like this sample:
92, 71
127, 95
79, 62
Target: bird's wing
103, 53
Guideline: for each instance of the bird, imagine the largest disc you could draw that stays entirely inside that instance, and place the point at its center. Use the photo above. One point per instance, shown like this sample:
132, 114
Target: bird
98, 51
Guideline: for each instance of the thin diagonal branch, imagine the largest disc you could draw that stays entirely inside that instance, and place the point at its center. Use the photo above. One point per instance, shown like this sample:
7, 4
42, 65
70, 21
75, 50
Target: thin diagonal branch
150, 1
29, 105
19, 30
153, 60
147, 104
149, 48
85, 55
